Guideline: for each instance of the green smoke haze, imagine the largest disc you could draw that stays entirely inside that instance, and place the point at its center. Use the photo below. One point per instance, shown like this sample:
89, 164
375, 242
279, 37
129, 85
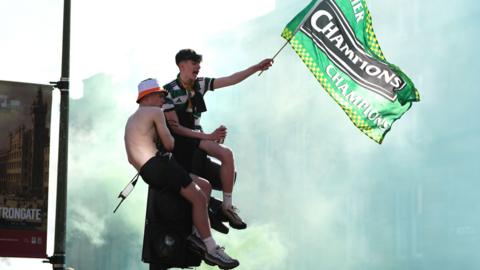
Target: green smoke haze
315, 191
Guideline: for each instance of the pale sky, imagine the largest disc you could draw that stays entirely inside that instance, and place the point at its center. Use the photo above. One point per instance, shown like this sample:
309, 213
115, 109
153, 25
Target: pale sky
107, 36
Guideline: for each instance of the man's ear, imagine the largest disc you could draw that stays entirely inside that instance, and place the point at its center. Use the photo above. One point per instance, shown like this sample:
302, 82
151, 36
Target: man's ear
180, 65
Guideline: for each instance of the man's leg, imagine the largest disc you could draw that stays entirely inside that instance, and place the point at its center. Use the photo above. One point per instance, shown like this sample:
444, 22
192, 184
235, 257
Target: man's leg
206, 188
197, 198
168, 174
213, 254
227, 175
203, 166
204, 185
225, 155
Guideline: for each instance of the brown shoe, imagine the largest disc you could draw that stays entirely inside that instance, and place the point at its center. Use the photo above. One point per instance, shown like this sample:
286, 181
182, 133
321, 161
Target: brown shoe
233, 218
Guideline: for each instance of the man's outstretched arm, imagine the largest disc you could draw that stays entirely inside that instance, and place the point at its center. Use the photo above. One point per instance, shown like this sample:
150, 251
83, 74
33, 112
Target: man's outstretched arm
242, 75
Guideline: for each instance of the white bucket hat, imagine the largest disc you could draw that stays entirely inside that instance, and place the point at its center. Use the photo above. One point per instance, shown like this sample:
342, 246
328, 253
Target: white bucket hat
149, 86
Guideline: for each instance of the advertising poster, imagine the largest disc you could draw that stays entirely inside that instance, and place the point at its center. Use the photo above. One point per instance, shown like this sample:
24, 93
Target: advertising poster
25, 111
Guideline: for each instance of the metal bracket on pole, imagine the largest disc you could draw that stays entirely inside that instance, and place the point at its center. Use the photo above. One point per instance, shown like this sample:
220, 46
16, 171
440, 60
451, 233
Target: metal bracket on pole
57, 261
63, 84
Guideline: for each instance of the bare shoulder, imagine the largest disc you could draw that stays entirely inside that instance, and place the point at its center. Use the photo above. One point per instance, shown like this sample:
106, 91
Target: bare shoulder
150, 110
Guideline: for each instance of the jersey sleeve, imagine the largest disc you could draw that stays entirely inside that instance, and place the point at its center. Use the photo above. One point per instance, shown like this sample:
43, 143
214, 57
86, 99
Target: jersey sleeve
168, 105
209, 84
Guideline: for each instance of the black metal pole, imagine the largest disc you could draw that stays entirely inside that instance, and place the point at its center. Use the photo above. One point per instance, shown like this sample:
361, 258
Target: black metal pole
58, 258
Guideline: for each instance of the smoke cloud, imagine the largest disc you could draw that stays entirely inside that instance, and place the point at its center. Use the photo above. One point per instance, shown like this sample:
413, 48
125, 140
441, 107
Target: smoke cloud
316, 192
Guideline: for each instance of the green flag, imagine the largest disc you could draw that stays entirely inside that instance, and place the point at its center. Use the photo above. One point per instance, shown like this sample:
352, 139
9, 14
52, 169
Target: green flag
336, 41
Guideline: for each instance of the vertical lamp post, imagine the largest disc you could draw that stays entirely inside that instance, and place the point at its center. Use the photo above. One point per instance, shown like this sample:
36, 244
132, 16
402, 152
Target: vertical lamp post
58, 258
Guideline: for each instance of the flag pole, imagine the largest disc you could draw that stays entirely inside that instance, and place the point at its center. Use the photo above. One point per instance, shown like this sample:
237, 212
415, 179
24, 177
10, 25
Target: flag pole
276, 54
296, 30
280, 49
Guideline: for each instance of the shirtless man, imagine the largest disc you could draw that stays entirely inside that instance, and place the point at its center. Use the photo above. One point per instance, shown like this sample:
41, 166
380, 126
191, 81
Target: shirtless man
160, 170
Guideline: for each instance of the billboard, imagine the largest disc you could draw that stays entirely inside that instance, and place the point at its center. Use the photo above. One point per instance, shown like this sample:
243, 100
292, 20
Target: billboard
25, 111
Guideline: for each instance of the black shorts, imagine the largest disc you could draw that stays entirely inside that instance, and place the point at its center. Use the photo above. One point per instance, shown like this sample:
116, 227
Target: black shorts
163, 172
184, 150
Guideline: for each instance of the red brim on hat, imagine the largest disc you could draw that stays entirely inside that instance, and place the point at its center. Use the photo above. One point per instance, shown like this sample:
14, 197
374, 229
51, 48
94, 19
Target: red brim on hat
149, 91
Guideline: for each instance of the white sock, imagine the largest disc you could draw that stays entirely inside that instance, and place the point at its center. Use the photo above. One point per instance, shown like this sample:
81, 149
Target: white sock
210, 243
227, 200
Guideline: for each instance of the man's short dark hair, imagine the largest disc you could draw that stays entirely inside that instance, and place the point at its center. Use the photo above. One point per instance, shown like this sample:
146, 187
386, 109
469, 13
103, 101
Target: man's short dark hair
187, 54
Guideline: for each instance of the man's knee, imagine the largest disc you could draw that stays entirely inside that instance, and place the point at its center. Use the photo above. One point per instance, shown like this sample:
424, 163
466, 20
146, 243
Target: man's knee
218, 151
206, 187
226, 154
194, 194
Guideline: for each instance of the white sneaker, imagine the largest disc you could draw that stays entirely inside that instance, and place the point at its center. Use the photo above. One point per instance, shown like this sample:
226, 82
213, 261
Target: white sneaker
220, 258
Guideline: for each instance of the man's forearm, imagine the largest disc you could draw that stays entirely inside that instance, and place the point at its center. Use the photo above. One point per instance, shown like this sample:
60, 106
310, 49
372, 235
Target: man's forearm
186, 132
235, 78
242, 75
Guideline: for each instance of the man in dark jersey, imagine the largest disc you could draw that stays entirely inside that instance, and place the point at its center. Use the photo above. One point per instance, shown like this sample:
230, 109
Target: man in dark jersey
183, 108
160, 170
